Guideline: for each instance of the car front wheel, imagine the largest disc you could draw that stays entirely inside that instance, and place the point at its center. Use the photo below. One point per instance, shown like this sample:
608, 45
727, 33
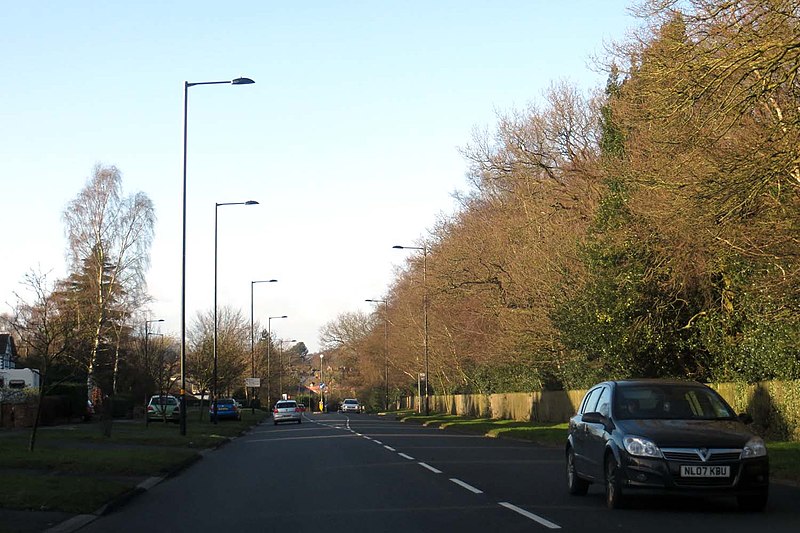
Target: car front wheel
575, 485
614, 498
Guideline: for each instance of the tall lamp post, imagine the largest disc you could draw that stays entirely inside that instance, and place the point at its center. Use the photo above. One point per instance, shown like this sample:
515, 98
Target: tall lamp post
147, 334
186, 85
321, 383
424, 250
252, 341
216, 216
280, 365
269, 343
385, 347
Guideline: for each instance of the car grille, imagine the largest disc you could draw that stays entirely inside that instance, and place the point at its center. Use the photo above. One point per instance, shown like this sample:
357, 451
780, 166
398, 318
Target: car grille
701, 455
697, 456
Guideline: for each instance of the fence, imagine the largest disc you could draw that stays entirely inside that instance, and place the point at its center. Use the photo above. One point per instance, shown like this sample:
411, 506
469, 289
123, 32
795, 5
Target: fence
774, 405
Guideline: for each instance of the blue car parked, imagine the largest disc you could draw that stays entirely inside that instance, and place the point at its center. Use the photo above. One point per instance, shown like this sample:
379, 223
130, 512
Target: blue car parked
227, 408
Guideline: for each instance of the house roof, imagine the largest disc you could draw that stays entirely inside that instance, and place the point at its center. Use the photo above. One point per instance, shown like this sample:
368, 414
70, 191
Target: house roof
5, 340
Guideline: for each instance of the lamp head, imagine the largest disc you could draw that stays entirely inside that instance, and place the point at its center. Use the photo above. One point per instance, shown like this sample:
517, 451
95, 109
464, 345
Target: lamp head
242, 81
251, 202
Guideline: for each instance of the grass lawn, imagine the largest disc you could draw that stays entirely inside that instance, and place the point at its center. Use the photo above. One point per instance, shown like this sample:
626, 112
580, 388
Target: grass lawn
784, 460
74, 468
784, 457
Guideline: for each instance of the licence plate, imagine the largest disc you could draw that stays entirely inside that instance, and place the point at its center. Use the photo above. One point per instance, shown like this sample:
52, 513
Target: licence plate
705, 471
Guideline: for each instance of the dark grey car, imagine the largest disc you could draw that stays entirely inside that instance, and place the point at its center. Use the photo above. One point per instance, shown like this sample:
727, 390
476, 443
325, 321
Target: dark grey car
664, 436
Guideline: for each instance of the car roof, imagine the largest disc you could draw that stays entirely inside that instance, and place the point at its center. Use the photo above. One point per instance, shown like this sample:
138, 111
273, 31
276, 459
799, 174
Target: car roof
657, 381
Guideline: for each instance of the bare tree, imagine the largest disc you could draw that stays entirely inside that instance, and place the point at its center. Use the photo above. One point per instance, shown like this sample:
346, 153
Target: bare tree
233, 350
46, 331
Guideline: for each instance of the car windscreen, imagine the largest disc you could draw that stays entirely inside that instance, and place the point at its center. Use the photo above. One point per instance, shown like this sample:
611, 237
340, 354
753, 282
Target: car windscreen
669, 401
351, 402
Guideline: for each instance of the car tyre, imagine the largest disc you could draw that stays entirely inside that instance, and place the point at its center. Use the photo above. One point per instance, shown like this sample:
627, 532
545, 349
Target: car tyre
614, 497
575, 484
753, 502
299, 420
275, 422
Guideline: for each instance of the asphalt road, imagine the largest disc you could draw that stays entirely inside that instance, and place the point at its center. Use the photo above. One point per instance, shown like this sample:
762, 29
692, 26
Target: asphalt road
336, 473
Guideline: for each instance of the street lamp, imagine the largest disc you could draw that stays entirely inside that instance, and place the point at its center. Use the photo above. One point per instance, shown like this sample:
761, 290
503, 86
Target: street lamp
186, 85
424, 250
216, 215
321, 383
385, 346
280, 365
252, 342
147, 361
269, 343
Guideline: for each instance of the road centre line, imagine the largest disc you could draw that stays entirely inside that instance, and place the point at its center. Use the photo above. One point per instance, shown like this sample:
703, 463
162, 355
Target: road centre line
378, 442
466, 486
406, 456
429, 467
526, 514
389, 448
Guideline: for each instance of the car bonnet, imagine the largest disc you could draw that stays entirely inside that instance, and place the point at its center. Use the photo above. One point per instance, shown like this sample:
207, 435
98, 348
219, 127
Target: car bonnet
689, 433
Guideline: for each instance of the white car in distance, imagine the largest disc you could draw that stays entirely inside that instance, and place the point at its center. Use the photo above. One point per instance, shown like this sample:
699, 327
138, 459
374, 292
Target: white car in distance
350, 405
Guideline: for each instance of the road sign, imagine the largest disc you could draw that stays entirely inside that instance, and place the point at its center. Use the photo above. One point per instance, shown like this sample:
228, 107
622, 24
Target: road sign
252, 382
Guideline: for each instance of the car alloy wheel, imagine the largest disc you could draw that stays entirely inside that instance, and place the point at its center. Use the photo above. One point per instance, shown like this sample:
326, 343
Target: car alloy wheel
614, 499
575, 485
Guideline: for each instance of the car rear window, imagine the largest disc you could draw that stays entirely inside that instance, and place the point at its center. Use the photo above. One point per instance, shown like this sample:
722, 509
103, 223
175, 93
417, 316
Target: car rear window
170, 400
285, 405
224, 402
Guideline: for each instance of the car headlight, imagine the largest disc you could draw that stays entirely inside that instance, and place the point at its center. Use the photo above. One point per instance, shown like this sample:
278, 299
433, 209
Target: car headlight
755, 447
641, 447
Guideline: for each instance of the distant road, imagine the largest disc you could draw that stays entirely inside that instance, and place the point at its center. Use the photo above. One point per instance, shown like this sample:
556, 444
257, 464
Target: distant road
335, 473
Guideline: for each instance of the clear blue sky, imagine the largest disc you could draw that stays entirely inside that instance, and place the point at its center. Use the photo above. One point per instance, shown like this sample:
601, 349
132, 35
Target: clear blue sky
349, 138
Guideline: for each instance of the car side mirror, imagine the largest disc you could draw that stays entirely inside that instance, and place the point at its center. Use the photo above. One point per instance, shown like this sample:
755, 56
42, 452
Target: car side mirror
745, 418
594, 418
598, 418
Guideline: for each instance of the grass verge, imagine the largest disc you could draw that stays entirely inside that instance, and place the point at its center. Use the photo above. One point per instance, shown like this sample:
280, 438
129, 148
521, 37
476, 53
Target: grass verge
75, 469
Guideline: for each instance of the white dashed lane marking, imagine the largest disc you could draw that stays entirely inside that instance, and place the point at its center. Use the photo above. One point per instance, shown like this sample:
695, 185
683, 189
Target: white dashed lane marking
466, 486
429, 467
546, 523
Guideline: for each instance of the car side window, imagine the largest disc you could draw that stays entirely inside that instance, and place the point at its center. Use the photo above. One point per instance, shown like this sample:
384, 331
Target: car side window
604, 402
589, 401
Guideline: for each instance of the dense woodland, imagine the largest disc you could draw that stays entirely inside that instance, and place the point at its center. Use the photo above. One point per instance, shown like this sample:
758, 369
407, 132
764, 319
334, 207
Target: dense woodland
650, 228
647, 228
